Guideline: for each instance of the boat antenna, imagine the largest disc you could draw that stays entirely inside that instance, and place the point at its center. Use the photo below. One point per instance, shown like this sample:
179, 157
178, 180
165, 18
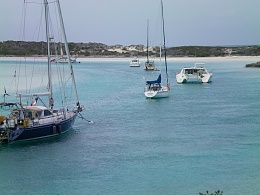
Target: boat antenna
164, 47
79, 109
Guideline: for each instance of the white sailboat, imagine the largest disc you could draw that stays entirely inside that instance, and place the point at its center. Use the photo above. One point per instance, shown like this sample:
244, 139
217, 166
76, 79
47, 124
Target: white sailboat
149, 64
36, 115
154, 89
63, 58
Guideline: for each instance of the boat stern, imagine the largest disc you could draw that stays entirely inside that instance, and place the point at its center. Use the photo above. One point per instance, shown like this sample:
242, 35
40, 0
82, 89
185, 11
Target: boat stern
150, 94
181, 78
206, 78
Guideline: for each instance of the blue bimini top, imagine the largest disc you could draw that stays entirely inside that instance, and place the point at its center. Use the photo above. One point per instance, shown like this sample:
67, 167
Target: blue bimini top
158, 81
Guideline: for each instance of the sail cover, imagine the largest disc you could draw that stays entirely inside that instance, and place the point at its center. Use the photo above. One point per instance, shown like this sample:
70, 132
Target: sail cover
158, 81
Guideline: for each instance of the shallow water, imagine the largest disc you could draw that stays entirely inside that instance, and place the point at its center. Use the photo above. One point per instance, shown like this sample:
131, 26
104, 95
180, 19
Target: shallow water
203, 137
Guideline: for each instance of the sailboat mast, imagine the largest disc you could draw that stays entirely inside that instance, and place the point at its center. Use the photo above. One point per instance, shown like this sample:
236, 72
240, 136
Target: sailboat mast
164, 47
49, 53
161, 41
68, 55
147, 53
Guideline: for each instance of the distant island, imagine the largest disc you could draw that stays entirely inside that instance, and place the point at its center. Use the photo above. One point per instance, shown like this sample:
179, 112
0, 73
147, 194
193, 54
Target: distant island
22, 48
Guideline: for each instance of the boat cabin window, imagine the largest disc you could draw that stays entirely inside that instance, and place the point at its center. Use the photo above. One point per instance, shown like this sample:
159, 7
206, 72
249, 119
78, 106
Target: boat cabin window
28, 114
189, 71
47, 113
195, 71
38, 114
32, 113
154, 87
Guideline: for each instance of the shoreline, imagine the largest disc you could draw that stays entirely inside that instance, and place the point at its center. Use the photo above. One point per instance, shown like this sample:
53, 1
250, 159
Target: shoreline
142, 59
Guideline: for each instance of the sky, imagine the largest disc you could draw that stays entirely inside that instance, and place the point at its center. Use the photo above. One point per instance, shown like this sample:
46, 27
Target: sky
187, 22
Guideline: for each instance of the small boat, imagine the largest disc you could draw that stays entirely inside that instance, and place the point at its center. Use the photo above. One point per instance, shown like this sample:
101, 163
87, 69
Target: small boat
36, 115
63, 58
196, 73
149, 64
135, 62
154, 89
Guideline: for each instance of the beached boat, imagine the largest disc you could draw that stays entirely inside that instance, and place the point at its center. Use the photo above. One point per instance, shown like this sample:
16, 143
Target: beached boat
35, 115
197, 73
149, 64
154, 89
135, 62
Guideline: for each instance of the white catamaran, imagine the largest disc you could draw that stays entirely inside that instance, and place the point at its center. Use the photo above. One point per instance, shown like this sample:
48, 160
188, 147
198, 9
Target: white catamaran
154, 89
198, 73
35, 114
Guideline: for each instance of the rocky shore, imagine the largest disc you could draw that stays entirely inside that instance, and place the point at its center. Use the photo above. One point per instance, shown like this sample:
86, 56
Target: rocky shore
253, 65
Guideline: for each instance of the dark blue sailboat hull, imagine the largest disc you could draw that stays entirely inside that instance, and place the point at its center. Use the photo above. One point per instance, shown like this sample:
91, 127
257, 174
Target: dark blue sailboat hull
43, 131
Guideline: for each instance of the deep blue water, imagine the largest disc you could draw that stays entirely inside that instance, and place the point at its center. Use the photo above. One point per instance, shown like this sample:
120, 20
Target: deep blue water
203, 137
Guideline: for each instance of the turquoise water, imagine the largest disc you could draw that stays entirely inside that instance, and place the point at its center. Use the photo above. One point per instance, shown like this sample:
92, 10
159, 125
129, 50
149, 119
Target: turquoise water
203, 137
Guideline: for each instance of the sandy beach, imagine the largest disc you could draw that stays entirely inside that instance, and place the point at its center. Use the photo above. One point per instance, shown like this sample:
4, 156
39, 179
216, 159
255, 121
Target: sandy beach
142, 59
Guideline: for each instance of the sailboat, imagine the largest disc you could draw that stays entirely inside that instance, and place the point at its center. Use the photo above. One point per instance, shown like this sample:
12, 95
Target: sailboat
154, 89
63, 58
149, 64
35, 115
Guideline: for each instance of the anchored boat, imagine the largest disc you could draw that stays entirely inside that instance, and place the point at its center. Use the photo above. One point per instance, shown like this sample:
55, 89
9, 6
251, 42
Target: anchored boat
135, 62
35, 115
154, 89
197, 73
149, 64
